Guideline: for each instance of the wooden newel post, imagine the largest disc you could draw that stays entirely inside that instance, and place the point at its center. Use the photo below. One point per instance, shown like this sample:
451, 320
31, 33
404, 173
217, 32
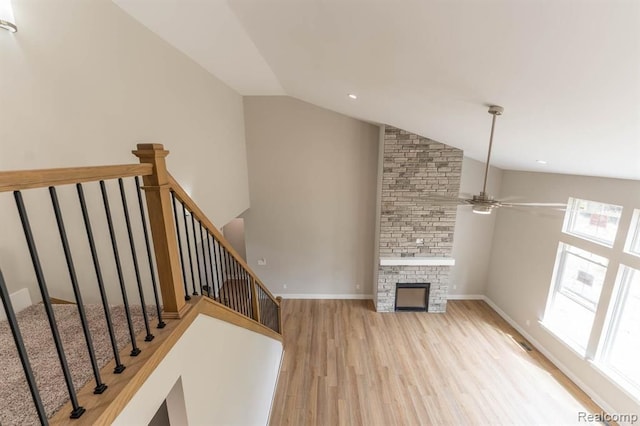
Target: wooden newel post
158, 195
255, 305
280, 323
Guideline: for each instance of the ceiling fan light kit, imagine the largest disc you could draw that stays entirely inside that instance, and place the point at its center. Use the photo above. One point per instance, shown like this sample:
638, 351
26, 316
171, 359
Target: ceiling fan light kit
483, 203
482, 209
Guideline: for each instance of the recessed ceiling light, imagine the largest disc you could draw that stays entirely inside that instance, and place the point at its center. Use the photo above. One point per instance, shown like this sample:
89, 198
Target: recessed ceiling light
541, 161
352, 96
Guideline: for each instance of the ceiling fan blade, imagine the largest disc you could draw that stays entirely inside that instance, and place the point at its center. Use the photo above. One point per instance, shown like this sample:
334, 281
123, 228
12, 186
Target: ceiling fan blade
436, 198
450, 201
559, 205
553, 213
510, 198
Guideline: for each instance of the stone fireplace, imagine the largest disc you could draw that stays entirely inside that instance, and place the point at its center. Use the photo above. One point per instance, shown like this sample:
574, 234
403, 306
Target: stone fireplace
416, 236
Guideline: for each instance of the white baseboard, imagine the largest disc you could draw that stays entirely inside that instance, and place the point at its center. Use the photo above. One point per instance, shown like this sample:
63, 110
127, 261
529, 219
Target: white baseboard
465, 297
590, 392
326, 296
20, 300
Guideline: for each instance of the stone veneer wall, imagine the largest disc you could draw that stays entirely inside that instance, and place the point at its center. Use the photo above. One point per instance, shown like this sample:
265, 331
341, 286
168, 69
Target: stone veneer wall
413, 167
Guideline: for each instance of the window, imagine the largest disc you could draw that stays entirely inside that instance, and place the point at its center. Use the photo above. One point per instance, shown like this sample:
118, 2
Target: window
573, 305
633, 239
592, 220
622, 341
579, 276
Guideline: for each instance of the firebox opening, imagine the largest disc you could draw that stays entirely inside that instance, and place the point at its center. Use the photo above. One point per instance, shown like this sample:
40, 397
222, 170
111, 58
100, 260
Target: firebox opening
412, 297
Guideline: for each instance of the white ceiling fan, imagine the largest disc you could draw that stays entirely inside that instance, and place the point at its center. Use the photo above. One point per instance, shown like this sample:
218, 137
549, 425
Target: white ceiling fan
484, 203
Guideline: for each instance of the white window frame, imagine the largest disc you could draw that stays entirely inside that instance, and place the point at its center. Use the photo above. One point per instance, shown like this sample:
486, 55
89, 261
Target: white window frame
556, 288
633, 237
570, 218
610, 329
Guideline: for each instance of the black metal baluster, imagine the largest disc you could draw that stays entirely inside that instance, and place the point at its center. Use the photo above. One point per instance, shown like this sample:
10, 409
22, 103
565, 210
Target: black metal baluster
212, 265
267, 301
229, 280
135, 351
186, 232
236, 287
219, 269
100, 386
240, 285
184, 273
247, 295
134, 256
22, 351
195, 248
264, 307
273, 316
242, 288
218, 262
143, 218
260, 307
204, 261
223, 275
77, 409
234, 265
247, 280
119, 368
233, 280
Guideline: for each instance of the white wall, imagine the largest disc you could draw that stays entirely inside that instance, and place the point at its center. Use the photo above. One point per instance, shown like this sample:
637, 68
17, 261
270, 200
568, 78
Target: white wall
228, 378
81, 84
473, 237
522, 262
312, 178
234, 234
20, 300
376, 241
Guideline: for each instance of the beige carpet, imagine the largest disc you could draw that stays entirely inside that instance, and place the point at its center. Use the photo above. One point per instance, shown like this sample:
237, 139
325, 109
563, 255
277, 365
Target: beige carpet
16, 404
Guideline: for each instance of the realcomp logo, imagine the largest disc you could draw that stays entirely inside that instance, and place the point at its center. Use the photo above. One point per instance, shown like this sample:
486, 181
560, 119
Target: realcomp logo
607, 418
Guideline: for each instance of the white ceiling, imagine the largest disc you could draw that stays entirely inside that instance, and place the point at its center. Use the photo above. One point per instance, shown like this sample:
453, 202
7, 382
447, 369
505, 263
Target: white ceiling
566, 71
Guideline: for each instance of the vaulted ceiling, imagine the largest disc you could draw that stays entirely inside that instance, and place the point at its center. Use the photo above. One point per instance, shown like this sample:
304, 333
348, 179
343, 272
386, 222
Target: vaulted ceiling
566, 71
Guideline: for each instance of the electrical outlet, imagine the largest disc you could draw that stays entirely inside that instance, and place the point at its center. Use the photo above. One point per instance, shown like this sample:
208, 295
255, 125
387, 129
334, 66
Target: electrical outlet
419, 240
358, 287
528, 323
454, 286
262, 262
284, 286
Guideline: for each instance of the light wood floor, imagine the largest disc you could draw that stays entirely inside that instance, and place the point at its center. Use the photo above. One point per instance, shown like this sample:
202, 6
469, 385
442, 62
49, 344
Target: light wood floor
345, 364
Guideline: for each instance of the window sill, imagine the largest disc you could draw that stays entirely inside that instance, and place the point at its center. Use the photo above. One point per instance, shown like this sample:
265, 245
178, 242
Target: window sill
603, 243
567, 343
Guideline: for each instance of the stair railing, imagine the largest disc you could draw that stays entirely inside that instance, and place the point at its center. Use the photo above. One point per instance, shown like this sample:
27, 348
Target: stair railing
195, 256
106, 180
182, 247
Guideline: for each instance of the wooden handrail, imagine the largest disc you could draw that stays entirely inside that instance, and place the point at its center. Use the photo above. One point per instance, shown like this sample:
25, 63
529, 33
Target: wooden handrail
43, 178
184, 197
